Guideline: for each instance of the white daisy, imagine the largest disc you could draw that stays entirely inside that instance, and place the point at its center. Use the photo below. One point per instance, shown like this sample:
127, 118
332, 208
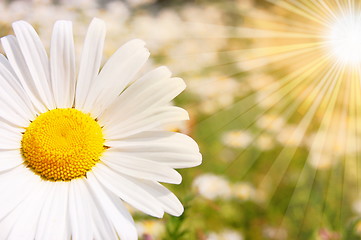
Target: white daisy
73, 148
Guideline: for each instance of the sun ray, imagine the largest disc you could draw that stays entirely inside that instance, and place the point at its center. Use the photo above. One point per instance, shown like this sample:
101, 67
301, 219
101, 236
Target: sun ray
337, 98
282, 162
299, 10
283, 87
310, 51
307, 178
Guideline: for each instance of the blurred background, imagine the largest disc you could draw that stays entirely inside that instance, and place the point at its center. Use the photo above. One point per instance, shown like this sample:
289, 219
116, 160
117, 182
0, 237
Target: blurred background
273, 107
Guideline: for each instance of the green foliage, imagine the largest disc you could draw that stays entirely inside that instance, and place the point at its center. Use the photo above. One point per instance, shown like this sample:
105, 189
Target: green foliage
175, 228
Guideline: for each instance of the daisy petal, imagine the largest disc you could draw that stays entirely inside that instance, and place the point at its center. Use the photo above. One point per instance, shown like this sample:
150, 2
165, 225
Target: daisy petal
53, 220
116, 75
102, 227
172, 149
8, 222
142, 168
62, 64
124, 188
22, 183
79, 211
144, 121
116, 213
166, 198
36, 59
84, 212
12, 92
154, 89
11, 117
90, 61
10, 137
10, 159
18, 64
28, 214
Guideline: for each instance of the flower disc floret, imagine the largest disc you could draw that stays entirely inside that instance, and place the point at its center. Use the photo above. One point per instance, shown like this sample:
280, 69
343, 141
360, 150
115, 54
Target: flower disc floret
62, 144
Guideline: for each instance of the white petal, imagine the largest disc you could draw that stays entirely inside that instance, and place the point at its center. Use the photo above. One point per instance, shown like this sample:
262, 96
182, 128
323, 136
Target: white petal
172, 149
80, 211
28, 214
153, 89
113, 209
10, 159
116, 75
10, 137
62, 64
90, 61
101, 226
144, 121
11, 117
87, 219
141, 168
17, 183
12, 92
53, 221
18, 64
36, 59
9, 144
124, 188
167, 199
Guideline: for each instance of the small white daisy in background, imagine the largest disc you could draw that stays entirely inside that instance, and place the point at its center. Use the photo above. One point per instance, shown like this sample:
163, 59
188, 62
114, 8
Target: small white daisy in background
356, 206
215, 93
152, 229
212, 186
291, 135
277, 233
271, 122
225, 235
237, 138
322, 160
73, 148
243, 191
265, 142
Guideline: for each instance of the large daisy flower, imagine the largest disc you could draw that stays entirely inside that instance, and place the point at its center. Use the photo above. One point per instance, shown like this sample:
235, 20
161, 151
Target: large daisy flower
74, 147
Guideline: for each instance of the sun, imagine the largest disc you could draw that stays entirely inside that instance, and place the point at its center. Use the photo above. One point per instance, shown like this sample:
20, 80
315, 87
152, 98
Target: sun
343, 38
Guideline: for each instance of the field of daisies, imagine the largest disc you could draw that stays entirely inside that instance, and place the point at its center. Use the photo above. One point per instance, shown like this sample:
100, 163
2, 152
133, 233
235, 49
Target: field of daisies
262, 176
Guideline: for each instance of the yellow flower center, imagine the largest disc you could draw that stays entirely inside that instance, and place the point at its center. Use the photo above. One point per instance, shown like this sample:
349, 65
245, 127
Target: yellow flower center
62, 144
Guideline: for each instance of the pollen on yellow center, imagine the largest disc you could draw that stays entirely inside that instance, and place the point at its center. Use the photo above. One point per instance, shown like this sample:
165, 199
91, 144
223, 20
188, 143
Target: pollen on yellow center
62, 144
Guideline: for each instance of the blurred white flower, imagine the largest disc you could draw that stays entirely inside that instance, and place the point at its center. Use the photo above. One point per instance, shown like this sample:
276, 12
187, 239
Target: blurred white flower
265, 142
243, 191
356, 206
277, 233
79, 3
215, 93
212, 186
208, 14
268, 98
137, 3
271, 122
259, 81
291, 135
245, 5
332, 140
161, 31
322, 160
237, 138
225, 235
153, 228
